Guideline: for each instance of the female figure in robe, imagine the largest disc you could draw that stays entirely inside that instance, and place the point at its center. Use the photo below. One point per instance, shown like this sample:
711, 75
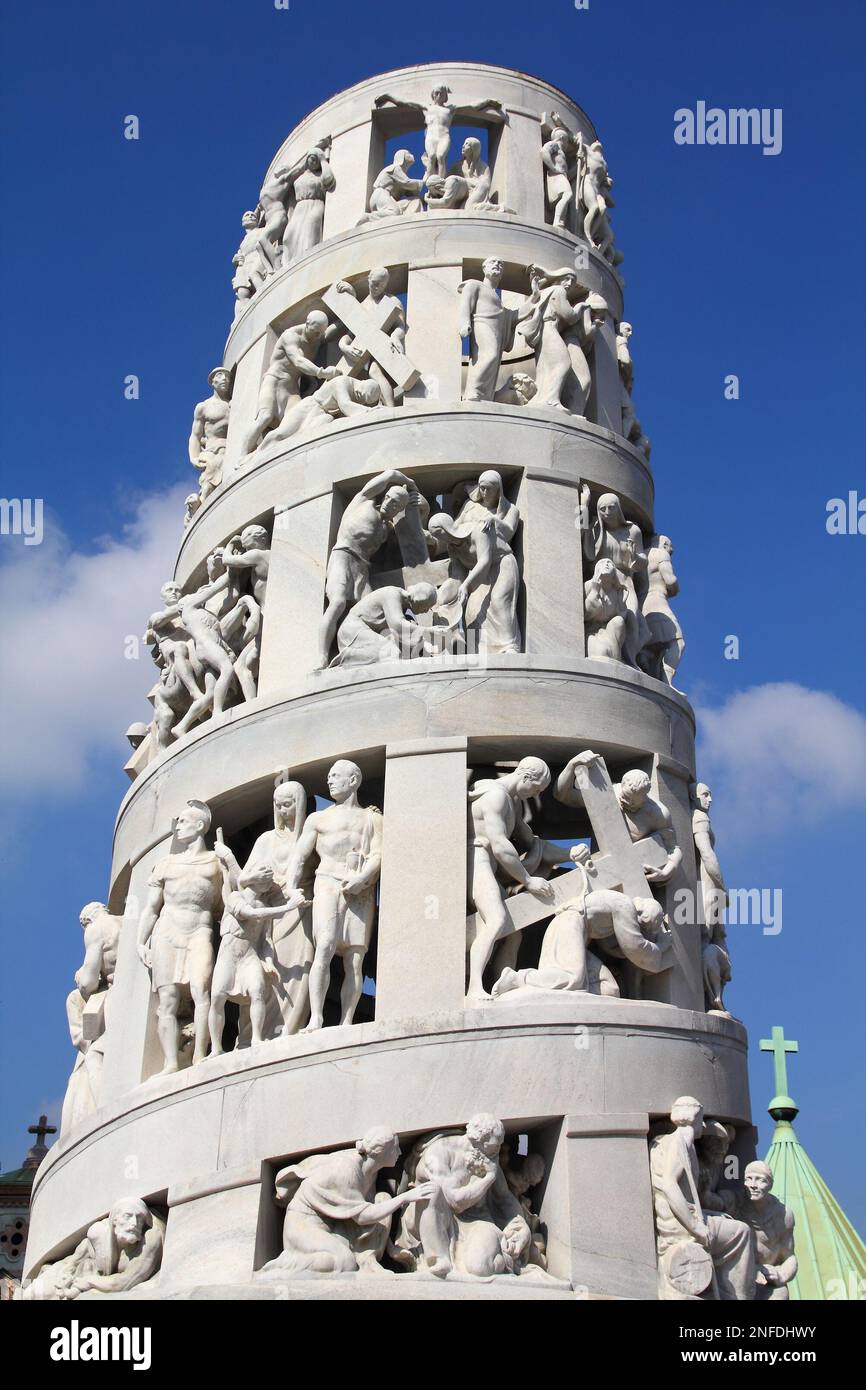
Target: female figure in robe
611, 537
310, 181
560, 328
479, 542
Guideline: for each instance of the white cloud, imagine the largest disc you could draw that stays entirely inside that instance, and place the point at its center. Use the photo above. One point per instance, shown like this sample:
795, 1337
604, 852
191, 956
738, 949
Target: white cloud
781, 755
67, 691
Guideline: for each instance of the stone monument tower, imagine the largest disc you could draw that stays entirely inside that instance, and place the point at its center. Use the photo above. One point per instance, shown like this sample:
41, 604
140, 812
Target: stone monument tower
413, 953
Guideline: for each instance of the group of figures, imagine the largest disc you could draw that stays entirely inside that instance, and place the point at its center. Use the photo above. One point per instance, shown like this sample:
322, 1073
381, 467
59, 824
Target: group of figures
206, 644
716, 1241
578, 186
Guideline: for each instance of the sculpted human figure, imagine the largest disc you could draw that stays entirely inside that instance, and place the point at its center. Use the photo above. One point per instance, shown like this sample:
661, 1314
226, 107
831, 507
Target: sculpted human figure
467, 186
364, 528
438, 115
523, 1175
479, 540
255, 261
394, 193
662, 653
309, 181
611, 537
700, 1254
246, 970
337, 399
631, 426
773, 1225
347, 838
560, 194
176, 929
472, 1223
595, 186
559, 321
336, 1222
381, 626
94, 977
210, 425
715, 956
118, 1253
208, 651
292, 363
644, 816
378, 281
518, 389
606, 611
500, 845
489, 326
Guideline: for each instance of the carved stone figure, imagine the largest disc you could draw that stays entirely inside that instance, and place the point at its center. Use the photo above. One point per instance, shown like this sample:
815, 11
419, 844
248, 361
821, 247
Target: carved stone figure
245, 969
611, 537
478, 541
438, 115
87, 1013
292, 363
560, 193
559, 321
347, 838
523, 1175
364, 528
606, 611
595, 199
701, 1255
272, 208
394, 193
210, 425
191, 503
518, 389
176, 929
119, 1253
500, 843
631, 426
381, 626
773, 1225
467, 186
645, 818
715, 956
489, 326
336, 1222
375, 344
472, 1223
255, 261
663, 650
207, 653
338, 399
309, 181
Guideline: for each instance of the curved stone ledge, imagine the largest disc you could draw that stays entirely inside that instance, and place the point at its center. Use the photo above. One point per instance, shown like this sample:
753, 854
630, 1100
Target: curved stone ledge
436, 443
570, 1057
511, 706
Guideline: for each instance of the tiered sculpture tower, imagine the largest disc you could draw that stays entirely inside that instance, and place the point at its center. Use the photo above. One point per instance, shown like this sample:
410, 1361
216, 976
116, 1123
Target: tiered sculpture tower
431, 1032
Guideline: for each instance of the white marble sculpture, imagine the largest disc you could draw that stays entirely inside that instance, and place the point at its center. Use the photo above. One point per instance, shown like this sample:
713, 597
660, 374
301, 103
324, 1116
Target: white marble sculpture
342, 398
192, 504
477, 537
176, 930
374, 344
715, 956
121, 1252
381, 626
210, 426
347, 838
364, 527
557, 177
255, 261
438, 115
472, 1225
466, 187
516, 389
611, 537
662, 651
773, 1225
394, 192
631, 426
645, 817
595, 185
309, 181
87, 1009
292, 364
559, 321
336, 1222
606, 611
701, 1254
489, 326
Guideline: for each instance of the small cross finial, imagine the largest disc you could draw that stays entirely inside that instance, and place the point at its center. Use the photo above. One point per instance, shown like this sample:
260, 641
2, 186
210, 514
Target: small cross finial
41, 1129
778, 1044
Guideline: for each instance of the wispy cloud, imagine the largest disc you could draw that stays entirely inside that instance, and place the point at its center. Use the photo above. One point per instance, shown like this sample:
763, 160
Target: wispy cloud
68, 690
781, 755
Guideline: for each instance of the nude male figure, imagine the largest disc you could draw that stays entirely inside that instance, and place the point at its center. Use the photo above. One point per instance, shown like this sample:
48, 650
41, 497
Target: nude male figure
644, 816
291, 362
175, 930
377, 286
438, 115
347, 838
210, 425
364, 527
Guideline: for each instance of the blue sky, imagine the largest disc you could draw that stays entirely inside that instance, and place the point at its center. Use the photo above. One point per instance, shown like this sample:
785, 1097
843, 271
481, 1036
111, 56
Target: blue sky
117, 261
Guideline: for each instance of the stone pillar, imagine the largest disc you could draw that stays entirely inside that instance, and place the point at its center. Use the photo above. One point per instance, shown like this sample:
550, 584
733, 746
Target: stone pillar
245, 394
433, 339
598, 1206
296, 591
211, 1232
352, 155
519, 173
606, 399
131, 1046
422, 897
683, 984
552, 564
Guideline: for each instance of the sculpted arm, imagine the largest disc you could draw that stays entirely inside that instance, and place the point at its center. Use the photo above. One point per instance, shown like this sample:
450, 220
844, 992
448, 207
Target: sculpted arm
709, 858
459, 1193
90, 973
672, 1172
392, 477
152, 908
139, 1269
304, 849
666, 834
197, 434
468, 302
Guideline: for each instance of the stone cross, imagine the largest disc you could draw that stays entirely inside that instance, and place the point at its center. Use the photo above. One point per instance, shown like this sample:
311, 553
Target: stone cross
618, 863
779, 1045
41, 1129
369, 324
